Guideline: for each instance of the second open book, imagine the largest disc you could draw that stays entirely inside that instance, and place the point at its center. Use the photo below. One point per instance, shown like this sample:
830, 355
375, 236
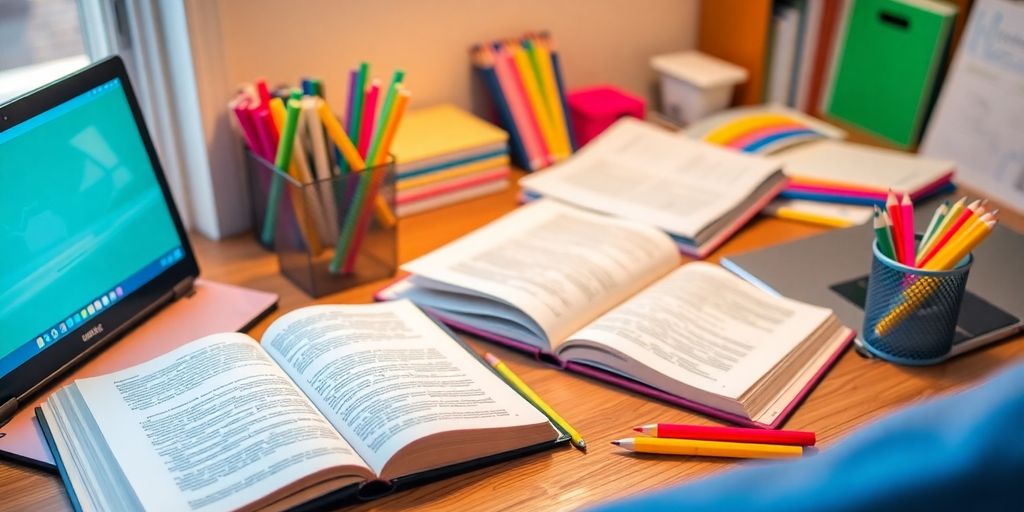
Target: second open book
606, 297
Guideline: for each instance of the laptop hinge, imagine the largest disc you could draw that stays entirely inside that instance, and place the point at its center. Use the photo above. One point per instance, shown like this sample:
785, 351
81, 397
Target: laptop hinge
7, 410
185, 288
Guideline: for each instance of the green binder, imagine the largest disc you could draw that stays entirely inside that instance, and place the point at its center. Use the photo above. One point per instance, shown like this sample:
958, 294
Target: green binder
888, 65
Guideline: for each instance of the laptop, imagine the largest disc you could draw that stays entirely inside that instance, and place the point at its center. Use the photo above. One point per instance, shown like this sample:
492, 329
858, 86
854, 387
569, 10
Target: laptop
90, 240
832, 270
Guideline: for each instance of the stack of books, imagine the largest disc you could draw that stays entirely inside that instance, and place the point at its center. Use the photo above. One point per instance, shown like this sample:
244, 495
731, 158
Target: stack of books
445, 155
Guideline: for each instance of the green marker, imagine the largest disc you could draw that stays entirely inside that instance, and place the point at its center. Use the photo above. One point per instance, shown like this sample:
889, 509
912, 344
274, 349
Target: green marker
351, 216
284, 156
355, 120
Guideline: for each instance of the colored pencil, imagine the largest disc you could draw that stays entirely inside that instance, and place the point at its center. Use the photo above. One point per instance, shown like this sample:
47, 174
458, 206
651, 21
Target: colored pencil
733, 434
937, 217
907, 231
946, 259
883, 234
892, 206
530, 395
263, 92
369, 183
949, 233
701, 448
282, 160
389, 101
246, 124
355, 122
951, 216
369, 113
265, 132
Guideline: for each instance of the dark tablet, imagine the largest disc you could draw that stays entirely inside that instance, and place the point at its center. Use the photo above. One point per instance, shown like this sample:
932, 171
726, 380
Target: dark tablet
90, 240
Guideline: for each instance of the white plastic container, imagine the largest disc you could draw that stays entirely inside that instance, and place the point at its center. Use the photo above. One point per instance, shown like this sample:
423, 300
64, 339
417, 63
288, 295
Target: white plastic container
695, 85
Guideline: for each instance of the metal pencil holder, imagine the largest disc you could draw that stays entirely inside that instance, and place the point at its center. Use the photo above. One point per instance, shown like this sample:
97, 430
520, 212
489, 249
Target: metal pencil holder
910, 316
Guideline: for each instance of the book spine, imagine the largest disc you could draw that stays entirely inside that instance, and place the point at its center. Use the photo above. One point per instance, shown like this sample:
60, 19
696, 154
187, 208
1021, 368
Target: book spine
515, 139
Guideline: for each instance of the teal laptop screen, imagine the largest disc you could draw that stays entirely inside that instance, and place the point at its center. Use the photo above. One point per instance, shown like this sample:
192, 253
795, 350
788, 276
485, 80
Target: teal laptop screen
83, 220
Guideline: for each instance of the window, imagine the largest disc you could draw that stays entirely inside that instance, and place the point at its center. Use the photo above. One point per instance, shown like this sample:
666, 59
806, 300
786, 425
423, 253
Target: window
41, 40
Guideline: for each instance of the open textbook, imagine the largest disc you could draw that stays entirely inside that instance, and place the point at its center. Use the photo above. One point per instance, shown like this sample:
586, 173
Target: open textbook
336, 400
606, 297
697, 192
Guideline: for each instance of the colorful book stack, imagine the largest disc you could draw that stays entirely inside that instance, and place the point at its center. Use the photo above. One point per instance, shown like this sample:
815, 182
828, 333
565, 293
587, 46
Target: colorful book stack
297, 131
446, 155
524, 80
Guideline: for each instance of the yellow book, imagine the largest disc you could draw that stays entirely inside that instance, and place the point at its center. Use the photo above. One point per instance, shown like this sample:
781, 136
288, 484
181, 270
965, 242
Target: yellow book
440, 131
452, 173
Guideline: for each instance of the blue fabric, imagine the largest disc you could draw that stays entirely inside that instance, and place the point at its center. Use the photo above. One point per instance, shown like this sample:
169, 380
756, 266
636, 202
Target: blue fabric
961, 452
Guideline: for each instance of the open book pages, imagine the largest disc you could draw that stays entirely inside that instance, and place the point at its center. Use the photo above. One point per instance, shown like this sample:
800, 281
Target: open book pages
335, 396
635, 170
541, 272
608, 293
706, 335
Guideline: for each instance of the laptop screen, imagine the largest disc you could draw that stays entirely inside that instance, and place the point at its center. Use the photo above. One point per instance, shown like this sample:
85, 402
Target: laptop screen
83, 220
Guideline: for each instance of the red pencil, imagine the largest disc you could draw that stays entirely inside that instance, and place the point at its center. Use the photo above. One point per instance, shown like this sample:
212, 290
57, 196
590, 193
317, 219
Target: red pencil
965, 216
907, 231
893, 207
733, 434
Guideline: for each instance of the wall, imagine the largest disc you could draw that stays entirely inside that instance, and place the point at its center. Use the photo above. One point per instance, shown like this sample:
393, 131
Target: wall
600, 40
235, 41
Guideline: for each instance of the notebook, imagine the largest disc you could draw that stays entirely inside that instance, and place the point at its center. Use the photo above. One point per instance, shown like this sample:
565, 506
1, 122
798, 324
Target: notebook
337, 401
606, 297
840, 171
888, 65
698, 193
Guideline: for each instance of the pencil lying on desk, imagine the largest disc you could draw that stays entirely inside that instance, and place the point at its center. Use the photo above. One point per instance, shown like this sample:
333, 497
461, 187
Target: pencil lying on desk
535, 399
733, 434
696, 447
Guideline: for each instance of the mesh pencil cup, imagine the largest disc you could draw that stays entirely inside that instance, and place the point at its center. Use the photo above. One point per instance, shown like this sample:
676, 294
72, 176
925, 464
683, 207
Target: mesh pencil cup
910, 315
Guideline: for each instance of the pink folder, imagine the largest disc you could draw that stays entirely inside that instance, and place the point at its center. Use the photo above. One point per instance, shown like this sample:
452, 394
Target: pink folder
213, 308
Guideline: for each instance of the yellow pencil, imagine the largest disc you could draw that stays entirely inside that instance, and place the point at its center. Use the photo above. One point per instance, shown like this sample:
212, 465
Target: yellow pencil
702, 448
946, 259
340, 138
535, 399
812, 218
947, 221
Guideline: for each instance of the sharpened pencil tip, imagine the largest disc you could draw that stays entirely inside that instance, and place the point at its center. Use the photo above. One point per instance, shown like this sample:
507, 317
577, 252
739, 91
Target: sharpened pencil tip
616, 443
638, 429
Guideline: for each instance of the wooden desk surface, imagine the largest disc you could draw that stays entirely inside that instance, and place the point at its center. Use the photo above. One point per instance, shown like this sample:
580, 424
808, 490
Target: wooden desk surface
854, 392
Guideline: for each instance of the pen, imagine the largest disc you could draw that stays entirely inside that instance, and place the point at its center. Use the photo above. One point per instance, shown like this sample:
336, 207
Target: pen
535, 399
709, 448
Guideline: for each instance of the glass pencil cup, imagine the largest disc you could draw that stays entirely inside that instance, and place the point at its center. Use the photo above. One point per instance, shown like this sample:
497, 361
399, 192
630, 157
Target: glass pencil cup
329, 234
910, 314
